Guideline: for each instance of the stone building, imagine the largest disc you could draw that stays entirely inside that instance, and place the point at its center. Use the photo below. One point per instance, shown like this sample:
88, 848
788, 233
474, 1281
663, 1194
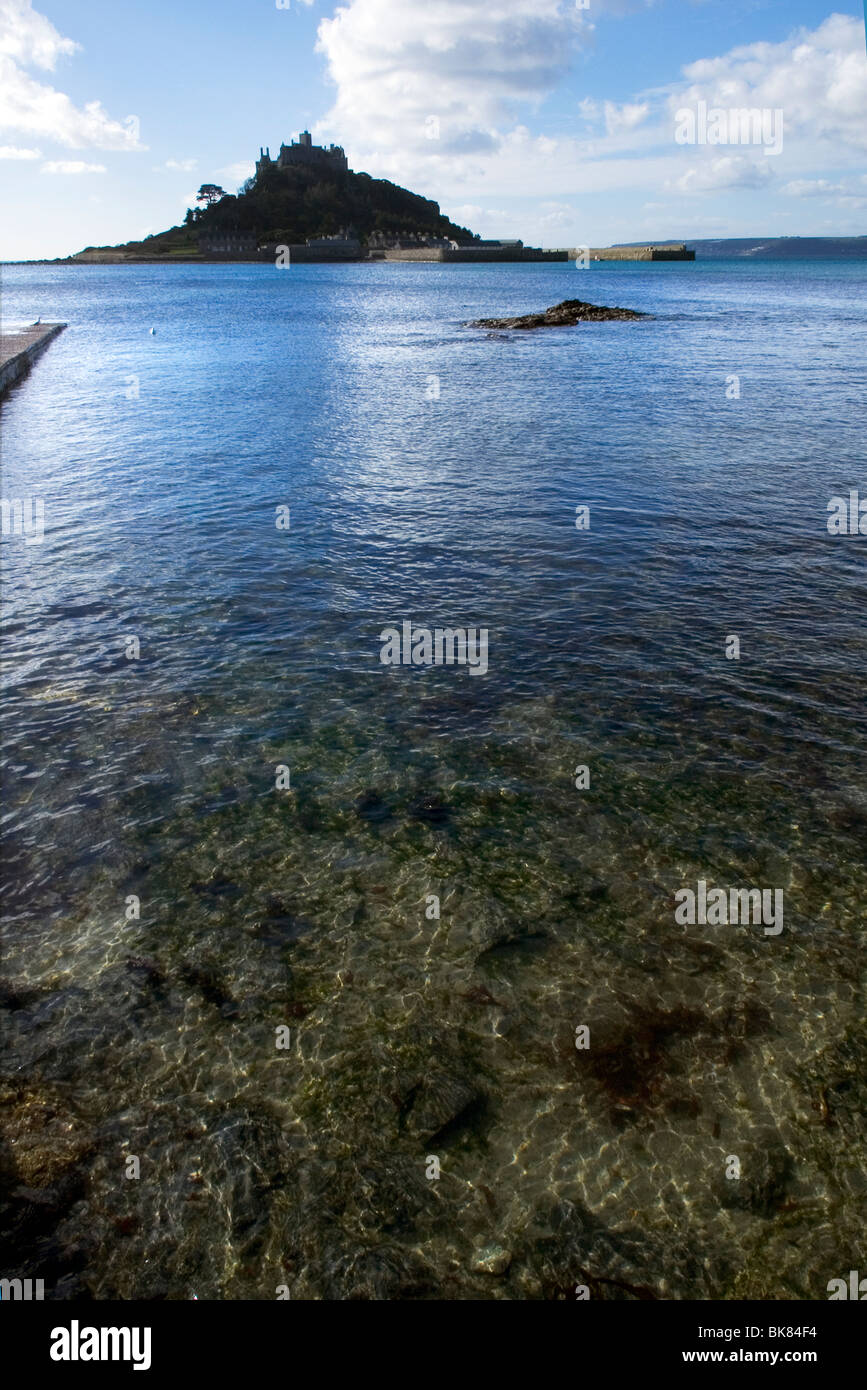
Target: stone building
227, 244
303, 152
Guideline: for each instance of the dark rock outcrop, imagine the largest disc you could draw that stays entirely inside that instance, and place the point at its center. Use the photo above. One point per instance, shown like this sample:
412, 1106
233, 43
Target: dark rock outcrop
562, 316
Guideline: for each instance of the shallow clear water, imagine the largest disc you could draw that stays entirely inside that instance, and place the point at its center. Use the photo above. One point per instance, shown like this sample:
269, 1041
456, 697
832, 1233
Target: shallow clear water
433, 472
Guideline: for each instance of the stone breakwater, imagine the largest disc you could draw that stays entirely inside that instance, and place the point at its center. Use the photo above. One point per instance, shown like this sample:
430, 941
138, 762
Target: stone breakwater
562, 315
19, 350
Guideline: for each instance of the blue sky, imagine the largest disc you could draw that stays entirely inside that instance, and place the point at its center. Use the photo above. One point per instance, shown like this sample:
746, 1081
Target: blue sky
543, 119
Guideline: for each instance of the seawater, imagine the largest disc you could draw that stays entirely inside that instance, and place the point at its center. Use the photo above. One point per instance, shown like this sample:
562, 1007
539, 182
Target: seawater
168, 909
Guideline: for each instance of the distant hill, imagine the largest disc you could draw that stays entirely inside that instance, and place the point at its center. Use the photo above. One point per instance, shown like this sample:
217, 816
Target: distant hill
774, 248
782, 247
296, 204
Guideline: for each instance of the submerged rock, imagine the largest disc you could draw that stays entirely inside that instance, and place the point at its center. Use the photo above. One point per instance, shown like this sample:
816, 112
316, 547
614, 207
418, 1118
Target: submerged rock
146, 970
562, 316
372, 807
569, 1245
430, 810
494, 1259
41, 1140
446, 1099
766, 1173
506, 940
12, 997
207, 980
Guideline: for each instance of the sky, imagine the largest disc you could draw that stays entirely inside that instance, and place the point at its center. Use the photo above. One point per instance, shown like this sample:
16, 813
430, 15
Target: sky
558, 121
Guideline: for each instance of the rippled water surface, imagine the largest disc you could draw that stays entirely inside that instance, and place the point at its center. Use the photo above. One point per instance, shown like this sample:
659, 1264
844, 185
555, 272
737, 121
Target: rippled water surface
433, 471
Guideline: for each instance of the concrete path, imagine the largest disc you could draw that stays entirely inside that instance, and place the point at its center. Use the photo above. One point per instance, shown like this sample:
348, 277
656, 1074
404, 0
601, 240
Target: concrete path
19, 350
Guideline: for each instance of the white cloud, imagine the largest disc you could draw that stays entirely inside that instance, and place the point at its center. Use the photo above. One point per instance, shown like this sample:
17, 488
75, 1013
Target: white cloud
467, 213
626, 117
813, 188
28, 39
818, 79
557, 216
398, 63
726, 172
179, 166
237, 173
844, 195
14, 152
72, 166
463, 71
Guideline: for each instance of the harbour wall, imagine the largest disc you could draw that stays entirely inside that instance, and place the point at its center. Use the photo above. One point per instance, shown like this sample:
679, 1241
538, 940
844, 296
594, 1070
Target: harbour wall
19, 350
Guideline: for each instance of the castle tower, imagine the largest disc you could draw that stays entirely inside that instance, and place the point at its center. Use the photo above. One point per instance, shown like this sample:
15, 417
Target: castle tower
303, 151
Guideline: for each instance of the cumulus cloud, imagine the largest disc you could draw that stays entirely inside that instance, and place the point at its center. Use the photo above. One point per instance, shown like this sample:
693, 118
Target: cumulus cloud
727, 171
845, 195
71, 166
14, 152
626, 117
433, 93
179, 166
440, 77
32, 107
818, 79
237, 173
29, 38
813, 188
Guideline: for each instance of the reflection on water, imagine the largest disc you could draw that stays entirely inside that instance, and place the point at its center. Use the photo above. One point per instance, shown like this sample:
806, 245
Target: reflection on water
433, 907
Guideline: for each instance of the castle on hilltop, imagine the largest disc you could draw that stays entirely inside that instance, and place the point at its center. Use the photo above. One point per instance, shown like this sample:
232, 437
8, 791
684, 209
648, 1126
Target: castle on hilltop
304, 152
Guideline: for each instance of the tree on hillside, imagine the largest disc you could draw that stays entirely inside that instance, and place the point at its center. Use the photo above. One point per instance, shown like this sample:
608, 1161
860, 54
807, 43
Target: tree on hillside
210, 193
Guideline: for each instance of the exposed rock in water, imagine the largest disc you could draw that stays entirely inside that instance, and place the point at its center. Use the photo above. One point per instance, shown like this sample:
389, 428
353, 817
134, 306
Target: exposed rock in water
562, 315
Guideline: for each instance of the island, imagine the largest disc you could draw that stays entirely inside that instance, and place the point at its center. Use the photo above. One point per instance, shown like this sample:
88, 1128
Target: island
306, 204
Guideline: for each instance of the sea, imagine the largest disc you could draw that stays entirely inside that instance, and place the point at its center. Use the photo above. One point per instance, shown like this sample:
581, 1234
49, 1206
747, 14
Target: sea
329, 978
